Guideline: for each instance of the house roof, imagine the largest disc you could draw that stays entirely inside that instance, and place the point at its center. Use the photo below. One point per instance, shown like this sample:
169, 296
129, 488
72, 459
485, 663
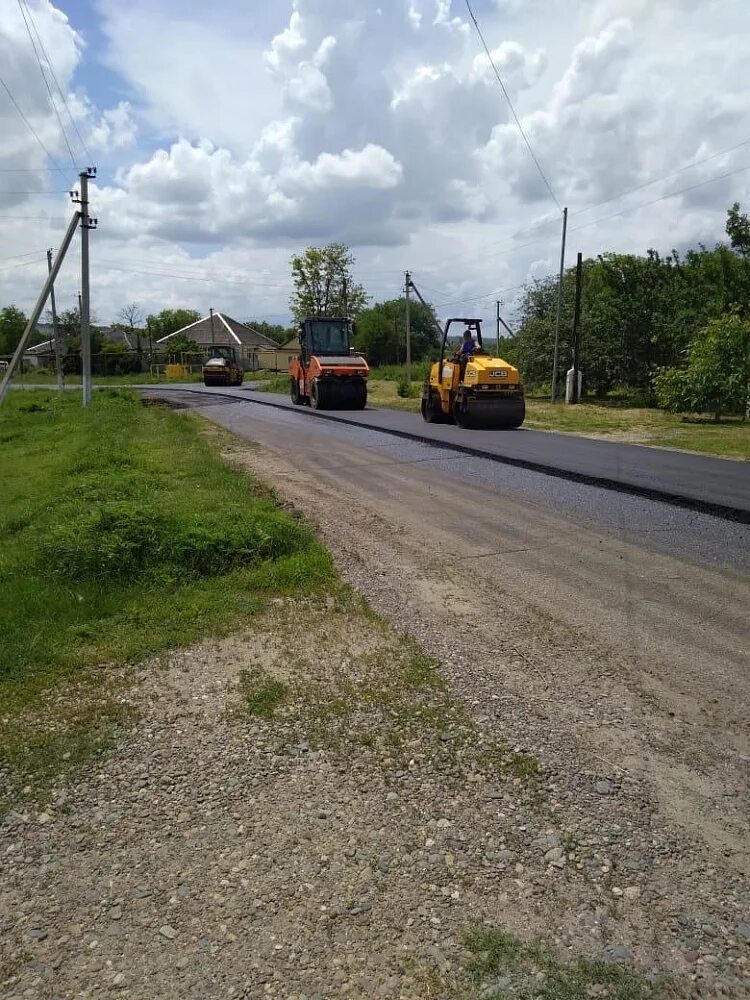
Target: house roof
227, 332
291, 345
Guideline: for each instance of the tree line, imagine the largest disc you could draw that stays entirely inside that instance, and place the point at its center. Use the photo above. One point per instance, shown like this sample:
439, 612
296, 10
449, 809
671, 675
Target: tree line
673, 330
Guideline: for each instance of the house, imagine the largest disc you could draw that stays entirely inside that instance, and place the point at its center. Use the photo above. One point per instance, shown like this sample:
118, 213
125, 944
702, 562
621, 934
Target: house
220, 330
278, 359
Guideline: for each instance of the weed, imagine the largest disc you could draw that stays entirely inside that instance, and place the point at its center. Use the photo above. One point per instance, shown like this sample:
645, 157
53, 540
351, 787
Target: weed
503, 966
261, 694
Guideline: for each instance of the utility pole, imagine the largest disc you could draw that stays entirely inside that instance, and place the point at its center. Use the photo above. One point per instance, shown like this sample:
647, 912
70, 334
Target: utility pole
577, 328
346, 301
407, 289
211, 314
497, 324
559, 305
36, 312
55, 331
85, 303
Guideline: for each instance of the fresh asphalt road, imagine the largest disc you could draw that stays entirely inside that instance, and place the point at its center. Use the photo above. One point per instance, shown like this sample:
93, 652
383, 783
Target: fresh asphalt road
712, 484
299, 433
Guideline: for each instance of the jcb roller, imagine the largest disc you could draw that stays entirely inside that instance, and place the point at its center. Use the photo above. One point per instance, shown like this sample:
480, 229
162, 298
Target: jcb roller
326, 374
473, 388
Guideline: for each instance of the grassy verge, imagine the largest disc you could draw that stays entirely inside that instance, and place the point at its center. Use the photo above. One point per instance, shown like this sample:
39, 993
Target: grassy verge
122, 534
504, 967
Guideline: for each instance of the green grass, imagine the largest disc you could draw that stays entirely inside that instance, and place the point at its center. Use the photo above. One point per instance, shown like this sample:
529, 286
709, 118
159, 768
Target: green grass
122, 534
504, 967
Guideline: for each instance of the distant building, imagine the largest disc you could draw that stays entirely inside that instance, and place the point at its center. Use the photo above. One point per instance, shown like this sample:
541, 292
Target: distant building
220, 330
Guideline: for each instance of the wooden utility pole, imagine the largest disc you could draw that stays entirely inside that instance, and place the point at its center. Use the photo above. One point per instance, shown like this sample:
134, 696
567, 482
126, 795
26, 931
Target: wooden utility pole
497, 325
577, 329
211, 314
86, 225
55, 331
559, 305
407, 290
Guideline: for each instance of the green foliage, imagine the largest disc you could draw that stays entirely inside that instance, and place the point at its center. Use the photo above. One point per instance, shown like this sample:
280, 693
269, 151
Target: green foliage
738, 230
505, 966
323, 283
12, 324
122, 533
717, 377
261, 693
169, 321
181, 344
381, 332
639, 313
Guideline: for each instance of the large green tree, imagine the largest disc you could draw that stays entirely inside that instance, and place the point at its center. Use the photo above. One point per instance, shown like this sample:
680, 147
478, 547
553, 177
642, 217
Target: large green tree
12, 324
324, 284
169, 321
381, 332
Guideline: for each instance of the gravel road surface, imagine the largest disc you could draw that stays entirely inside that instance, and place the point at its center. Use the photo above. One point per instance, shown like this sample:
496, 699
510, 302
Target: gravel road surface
601, 636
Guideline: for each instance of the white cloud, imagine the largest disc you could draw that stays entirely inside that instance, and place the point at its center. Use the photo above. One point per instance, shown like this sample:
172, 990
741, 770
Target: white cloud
371, 166
244, 131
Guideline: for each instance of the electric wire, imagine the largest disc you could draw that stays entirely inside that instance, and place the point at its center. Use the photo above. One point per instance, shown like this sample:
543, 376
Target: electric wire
512, 109
56, 166
51, 68
46, 84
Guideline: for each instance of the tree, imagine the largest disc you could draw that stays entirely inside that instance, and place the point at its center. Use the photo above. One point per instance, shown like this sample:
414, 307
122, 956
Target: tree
274, 331
170, 320
738, 230
323, 283
132, 317
182, 344
381, 332
717, 376
12, 324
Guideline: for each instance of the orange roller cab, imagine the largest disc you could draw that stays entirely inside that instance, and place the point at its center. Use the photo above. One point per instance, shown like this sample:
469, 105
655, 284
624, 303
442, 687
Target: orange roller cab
327, 374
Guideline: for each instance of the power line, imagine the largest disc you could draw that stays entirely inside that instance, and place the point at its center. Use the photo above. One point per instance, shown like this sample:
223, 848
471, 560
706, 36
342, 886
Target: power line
27, 170
33, 132
46, 84
512, 109
54, 77
17, 256
664, 197
36, 194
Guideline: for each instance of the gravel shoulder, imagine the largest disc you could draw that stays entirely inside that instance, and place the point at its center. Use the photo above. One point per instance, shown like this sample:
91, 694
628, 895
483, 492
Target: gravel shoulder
315, 808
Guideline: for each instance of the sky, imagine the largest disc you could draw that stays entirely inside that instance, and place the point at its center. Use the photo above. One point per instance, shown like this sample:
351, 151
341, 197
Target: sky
228, 136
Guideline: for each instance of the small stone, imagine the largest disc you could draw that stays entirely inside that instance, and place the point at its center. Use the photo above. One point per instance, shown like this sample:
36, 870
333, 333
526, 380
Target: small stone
616, 890
115, 913
450, 859
618, 953
181, 963
632, 892
168, 932
605, 787
555, 856
691, 955
37, 934
744, 931
384, 865
119, 980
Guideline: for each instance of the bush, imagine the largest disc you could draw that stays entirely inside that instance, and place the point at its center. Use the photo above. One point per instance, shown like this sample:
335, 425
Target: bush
716, 377
404, 388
